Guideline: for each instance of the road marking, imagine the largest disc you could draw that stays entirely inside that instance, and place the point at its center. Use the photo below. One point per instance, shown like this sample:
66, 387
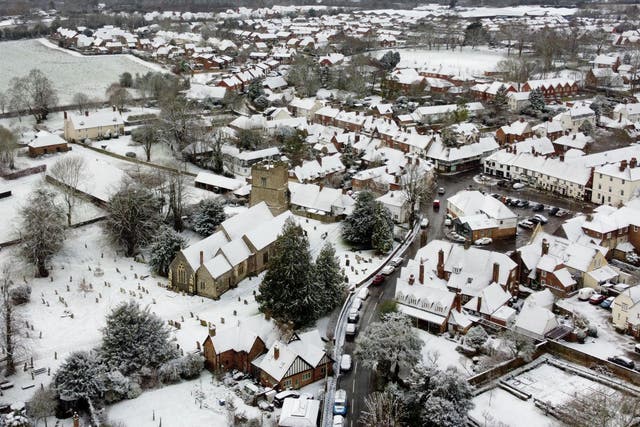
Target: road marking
353, 387
355, 368
372, 313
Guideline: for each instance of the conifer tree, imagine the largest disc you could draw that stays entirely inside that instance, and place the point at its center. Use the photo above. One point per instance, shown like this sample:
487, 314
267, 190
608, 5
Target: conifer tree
536, 99
207, 216
382, 236
164, 249
357, 228
499, 102
329, 279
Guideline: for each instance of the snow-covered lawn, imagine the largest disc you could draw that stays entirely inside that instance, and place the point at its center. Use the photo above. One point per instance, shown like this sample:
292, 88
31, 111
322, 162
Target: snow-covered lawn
609, 342
443, 352
466, 62
499, 407
69, 71
189, 403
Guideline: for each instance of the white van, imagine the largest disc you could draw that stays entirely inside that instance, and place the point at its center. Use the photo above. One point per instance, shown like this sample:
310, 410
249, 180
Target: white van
585, 293
363, 293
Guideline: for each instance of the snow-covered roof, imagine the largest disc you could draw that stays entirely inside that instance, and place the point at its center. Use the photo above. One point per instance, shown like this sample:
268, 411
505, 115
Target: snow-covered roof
236, 226
492, 298
233, 338
45, 139
535, 321
300, 412
95, 119
219, 181
474, 202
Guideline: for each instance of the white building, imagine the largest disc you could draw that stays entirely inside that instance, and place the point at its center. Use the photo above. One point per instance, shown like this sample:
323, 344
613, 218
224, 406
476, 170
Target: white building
615, 184
398, 204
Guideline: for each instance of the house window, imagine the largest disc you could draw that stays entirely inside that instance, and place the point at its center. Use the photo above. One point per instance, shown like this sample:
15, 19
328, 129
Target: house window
265, 257
608, 235
182, 274
306, 376
543, 273
241, 269
263, 181
635, 228
287, 383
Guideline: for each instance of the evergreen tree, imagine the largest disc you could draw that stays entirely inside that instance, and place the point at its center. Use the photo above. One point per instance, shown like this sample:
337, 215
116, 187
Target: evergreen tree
134, 338
164, 249
80, 376
357, 228
329, 279
382, 236
207, 216
536, 99
255, 90
287, 290
500, 102
42, 231
476, 337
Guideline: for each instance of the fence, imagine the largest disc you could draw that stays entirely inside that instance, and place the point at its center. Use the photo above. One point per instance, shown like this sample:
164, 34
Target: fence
25, 172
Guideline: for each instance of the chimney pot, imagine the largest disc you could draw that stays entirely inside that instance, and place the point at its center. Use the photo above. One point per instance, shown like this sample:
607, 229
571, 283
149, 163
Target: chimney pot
496, 272
212, 330
545, 247
276, 352
479, 304
412, 279
421, 277
633, 163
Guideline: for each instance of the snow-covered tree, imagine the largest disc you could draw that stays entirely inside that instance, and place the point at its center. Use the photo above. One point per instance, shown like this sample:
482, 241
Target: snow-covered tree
586, 127
476, 337
437, 398
518, 345
134, 218
191, 366
382, 410
207, 216
287, 291
382, 236
69, 171
80, 376
15, 419
35, 93
596, 106
163, 250
20, 294
169, 372
329, 279
118, 387
536, 100
8, 147
388, 345
42, 229
134, 338
42, 405
499, 102
357, 228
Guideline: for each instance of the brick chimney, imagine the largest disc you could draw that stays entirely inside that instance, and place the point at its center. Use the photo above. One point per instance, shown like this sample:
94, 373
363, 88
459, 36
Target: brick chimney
76, 420
496, 272
276, 352
212, 330
421, 274
633, 163
545, 247
86, 113
201, 257
479, 304
440, 267
562, 157
457, 302
412, 279
321, 185
65, 115
623, 165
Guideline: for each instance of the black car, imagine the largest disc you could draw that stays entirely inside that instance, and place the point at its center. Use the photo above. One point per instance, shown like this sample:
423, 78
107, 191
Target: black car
534, 220
538, 207
622, 361
553, 211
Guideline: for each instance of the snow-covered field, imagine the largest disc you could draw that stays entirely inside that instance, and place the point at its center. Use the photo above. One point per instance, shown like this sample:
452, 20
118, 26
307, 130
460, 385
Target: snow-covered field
434, 9
70, 72
466, 62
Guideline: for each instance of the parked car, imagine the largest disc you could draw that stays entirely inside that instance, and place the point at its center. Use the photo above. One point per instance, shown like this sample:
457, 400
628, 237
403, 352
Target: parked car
338, 421
458, 238
354, 316
585, 293
447, 222
596, 299
518, 186
534, 220
553, 210
561, 212
483, 241
526, 224
397, 261
543, 219
345, 362
387, 270
538, 207
378, 279
351, 331
363, 294
340, 403
441, 190
636, 348
424, 223
513, 202
622, 361
607, 303
436, 204
357, 304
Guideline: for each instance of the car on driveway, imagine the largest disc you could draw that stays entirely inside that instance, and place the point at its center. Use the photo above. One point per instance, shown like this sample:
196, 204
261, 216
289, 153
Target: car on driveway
483, 241
526, 224
378, 279
607, 303
622, 361
387, 270
596, 299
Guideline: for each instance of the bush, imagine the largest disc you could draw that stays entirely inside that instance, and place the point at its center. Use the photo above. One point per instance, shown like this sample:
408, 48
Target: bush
118, 387
169, 372
191, 366
20, 294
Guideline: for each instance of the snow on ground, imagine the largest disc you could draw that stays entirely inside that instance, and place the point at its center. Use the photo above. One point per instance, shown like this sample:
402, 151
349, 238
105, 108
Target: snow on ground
609, 342
442, 351
466, 62
70, 73
546, 383
189, 403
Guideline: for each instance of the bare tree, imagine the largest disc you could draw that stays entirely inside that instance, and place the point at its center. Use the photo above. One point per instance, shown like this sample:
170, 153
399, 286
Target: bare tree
518, 345
176, 191
600, 406
382, 410
517, 69
42, 229
12, 333
33, 93
418, 183
8, 147
147, 136
69, 171
178, 123
118, 96
42, 405
81, 101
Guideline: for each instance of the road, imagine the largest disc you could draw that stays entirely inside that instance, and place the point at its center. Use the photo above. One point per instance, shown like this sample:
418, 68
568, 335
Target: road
359, 382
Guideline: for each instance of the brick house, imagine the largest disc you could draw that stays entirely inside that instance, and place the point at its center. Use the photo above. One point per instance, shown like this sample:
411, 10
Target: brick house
46, 143
515, 132
232, 348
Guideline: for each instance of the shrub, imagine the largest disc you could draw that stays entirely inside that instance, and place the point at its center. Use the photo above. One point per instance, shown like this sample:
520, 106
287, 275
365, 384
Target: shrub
191, 366
169, 372
20, 294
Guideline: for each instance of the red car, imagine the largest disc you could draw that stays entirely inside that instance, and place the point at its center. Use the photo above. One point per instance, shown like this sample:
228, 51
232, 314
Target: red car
378, 279
597, 299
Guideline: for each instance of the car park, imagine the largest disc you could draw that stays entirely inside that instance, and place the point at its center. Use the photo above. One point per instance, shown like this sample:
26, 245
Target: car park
526, 224
543, 219
622, 361
387, 270
345, 362
340, 403
378, 279
483, 241
596, 299
606, 304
